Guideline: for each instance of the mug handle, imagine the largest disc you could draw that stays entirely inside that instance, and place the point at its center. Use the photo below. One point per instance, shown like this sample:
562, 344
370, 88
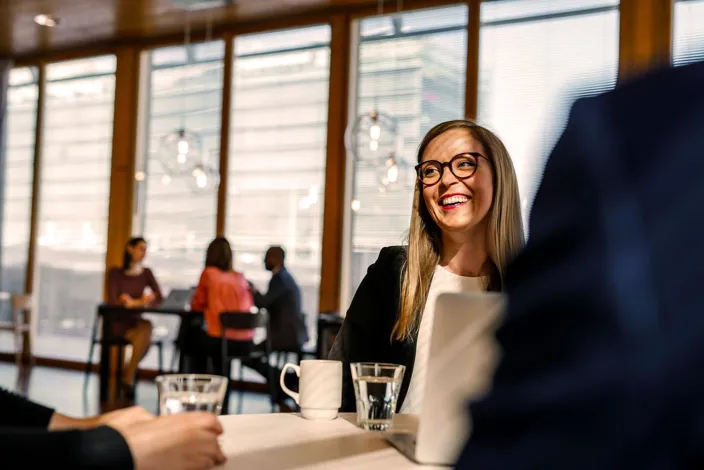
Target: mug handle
286, 390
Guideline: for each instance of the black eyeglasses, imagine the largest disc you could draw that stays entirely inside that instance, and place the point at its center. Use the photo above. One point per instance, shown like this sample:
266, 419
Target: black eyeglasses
463, 166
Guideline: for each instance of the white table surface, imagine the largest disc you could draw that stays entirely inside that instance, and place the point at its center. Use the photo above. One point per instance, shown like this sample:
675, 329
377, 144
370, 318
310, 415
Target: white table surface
287, 441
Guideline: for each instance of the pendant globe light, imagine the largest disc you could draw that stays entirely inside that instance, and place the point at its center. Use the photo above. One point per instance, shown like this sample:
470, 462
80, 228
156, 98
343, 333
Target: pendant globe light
204, 178
181, 150
375, 140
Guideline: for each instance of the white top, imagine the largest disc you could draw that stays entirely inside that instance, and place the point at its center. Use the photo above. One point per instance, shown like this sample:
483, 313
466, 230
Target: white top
443, 282
285, 441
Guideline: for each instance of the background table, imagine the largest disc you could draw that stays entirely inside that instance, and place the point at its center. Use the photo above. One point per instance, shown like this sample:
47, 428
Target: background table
287, 441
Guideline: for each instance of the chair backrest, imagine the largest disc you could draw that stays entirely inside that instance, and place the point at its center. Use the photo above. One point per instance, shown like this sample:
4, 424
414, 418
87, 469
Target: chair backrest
243, 320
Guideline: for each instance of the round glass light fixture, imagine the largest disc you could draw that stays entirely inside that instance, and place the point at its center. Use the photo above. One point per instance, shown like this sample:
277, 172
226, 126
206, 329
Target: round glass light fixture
204, 178
372, 135
392, 172
46, 20
180, 151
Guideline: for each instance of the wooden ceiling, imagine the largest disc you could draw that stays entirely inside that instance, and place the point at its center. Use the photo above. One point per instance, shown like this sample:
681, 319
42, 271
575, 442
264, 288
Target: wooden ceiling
84, 23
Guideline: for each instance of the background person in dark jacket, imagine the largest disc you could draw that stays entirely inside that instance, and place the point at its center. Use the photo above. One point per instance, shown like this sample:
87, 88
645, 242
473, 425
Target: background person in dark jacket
283, 302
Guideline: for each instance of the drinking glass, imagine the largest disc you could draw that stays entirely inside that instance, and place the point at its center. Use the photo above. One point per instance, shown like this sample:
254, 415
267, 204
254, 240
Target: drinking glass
376, 389
181, 393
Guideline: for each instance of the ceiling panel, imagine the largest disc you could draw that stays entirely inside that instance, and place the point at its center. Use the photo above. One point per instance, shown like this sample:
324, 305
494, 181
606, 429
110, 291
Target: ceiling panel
90, 22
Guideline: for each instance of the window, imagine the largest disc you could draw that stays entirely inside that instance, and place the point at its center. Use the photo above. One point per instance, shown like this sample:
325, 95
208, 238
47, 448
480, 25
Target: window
16, 184
536, 58
412, 68
174, 214
73, 203
688, 31
277, 155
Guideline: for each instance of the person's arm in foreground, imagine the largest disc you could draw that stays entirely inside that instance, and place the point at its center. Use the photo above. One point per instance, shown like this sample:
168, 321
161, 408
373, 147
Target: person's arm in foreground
31, 434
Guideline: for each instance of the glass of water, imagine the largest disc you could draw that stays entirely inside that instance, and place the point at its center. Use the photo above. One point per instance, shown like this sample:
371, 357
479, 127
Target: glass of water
376, 388
181, 393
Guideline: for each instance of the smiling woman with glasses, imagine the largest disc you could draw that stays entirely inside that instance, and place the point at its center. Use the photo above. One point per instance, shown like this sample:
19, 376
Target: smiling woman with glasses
465, 228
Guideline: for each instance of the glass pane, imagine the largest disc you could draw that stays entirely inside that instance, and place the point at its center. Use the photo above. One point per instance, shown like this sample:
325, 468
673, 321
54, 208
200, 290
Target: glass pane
277, 155
176, 216
688, 31
73, 204
415, 75
16, 187
533, 66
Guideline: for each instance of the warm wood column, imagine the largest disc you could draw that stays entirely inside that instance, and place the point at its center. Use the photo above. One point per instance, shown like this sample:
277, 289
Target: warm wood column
124, 150
335, 163
471, 91
225, 133
645, 36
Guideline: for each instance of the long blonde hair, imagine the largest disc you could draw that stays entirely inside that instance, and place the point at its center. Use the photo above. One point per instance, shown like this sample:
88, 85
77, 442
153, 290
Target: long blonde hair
505, 236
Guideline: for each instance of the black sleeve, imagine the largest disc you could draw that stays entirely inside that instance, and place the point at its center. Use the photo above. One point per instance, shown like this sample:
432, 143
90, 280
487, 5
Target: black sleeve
365, 334
18, 411
100, 448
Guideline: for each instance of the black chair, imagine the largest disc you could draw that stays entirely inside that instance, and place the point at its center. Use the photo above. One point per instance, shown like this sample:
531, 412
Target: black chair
246, 321
95, 339
329, 324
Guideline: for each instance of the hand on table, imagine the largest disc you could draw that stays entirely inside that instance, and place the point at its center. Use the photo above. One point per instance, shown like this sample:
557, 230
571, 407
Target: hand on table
127, 301
187, 441
148, 298
118, 420
125, 418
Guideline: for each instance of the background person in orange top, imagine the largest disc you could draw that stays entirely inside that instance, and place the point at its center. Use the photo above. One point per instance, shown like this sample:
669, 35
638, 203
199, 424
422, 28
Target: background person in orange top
220, 289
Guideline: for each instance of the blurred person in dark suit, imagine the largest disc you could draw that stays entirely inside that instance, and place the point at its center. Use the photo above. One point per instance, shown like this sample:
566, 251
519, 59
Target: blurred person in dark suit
286, 320
602, 351
283, 302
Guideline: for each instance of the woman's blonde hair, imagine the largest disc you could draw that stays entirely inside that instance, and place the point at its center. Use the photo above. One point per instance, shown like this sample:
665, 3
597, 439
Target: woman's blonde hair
505, 236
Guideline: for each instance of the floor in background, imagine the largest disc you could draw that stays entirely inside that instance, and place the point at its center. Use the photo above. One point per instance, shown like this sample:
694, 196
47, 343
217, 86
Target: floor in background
63, 390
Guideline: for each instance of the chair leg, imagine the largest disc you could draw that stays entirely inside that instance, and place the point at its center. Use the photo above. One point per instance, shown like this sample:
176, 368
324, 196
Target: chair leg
226, 400
271, 382
18, 352
241, 394
174, 358
160, 351
89, 365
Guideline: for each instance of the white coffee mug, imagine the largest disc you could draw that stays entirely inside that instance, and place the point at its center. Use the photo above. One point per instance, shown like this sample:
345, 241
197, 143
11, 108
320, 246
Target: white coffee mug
319, 387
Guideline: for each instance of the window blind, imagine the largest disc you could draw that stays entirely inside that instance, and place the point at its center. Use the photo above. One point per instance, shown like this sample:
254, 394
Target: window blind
536, 58
688, 32
411, 67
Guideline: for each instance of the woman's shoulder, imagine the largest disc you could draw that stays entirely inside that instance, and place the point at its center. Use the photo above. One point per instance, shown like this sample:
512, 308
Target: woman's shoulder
392, 257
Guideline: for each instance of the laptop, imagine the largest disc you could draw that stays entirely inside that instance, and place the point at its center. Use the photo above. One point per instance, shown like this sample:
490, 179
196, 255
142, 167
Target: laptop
461, 363
178, 299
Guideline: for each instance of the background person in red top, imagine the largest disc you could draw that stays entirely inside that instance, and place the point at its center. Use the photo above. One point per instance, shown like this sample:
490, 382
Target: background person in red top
220, 289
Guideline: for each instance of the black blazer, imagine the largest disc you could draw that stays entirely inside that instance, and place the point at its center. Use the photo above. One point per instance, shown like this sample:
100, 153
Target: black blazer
602, 350
365, 335
25, 440
283, 302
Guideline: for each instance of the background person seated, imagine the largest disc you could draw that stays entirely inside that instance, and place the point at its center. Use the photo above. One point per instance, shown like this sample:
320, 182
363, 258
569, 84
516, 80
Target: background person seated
283, 302
220, 289
127, 286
